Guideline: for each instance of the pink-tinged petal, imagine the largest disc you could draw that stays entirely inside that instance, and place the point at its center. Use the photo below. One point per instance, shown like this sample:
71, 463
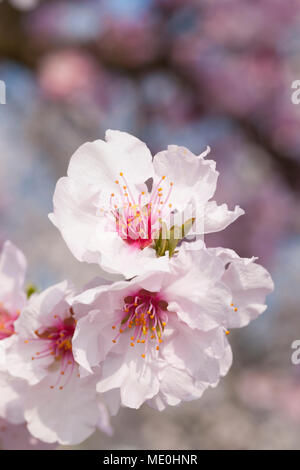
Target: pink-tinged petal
141, 261
114, 372
112, 400
11, 398
92, 339
75, 215
140, 384
250, 283
20, 364
195, 351
100, 163
43, 308
192, 176
13, 267
217, 218
67, 416
135, 376
194, 290
177, 386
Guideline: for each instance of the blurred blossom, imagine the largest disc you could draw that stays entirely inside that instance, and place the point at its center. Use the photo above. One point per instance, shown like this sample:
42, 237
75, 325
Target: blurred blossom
24, 4
270, 391
129, 43
164, 98
63, 20
68, 74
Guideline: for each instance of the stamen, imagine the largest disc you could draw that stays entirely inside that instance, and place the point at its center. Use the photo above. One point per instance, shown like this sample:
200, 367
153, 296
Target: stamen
147, 315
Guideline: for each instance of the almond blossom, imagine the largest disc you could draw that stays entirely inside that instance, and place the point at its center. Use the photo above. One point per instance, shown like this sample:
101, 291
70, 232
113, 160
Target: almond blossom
60, 406
12, 301
117, 204
161, 338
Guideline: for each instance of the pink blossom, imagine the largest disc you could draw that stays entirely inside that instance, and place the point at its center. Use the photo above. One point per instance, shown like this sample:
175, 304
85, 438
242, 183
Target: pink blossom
12, 300
161, 338
116, 199
59, 406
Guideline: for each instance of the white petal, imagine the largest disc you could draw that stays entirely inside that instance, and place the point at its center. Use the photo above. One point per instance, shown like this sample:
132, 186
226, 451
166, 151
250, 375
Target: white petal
217, 218
11, 398
93, 339
192, 176
195, 292
100, 163
75, 215
42, 308
12, 273
67, 416
195, 351
250, 283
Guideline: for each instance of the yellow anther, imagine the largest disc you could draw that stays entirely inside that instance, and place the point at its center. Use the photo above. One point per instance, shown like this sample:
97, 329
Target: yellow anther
114, 341
132, 338
157, 348
143, 356
235, 309
117, 182
163, 323
163, 177
113, 327
112, 194
121, 174
132, 344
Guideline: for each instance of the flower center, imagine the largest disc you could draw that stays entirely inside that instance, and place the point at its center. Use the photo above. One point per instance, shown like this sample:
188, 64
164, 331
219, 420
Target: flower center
7, 323
56, 342
145, 314
138, 219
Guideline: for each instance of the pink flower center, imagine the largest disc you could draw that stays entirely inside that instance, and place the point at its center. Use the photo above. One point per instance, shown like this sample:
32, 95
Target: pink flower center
145, 314
56, 341
138, 219
7, 321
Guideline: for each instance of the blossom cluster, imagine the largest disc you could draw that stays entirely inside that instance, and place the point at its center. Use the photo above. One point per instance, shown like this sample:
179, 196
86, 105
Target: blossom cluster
158, 334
